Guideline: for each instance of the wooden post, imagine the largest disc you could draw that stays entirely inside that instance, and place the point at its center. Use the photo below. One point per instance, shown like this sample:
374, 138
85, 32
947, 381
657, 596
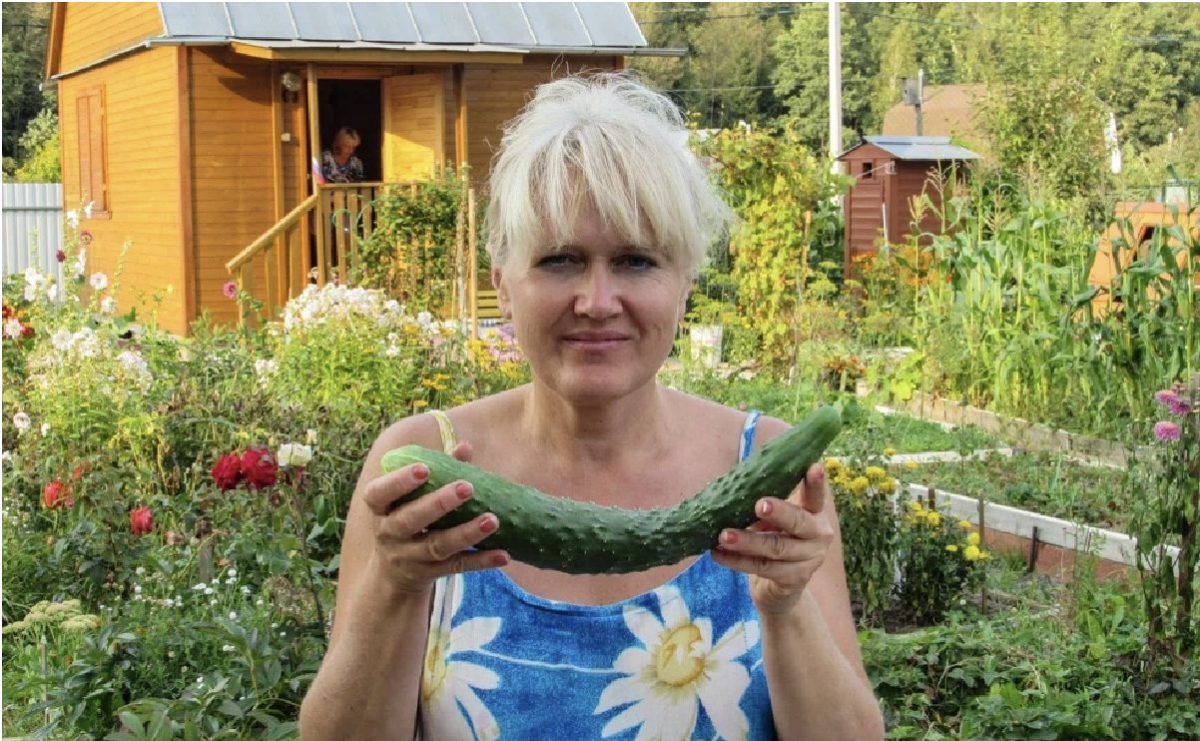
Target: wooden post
472, 264
282, 261
314, 147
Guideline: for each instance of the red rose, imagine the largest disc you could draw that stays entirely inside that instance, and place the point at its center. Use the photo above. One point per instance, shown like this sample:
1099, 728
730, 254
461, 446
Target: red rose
141, 521
56, 494
8, 310
60, 256
227, 472
26, 331
259, 468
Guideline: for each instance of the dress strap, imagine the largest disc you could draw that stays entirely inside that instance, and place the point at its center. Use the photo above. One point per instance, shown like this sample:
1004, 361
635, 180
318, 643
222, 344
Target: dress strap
748, 430
446, 428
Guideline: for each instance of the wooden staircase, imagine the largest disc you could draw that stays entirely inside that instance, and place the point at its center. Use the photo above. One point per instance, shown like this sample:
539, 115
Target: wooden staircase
294, 253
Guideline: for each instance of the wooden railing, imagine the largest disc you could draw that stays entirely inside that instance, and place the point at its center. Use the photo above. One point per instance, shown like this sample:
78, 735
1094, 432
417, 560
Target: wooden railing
317, 242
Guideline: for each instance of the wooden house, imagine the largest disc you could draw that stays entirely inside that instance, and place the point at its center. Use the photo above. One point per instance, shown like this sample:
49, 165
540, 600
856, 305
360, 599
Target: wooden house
890, 174
1132, 234
192, 127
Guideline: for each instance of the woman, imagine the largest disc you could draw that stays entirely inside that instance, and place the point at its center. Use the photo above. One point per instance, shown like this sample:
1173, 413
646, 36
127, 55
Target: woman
338, 163
598, 222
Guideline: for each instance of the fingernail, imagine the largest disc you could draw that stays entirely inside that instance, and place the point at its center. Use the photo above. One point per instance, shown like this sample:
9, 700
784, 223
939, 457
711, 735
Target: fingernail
420, 473
488, 523
765, 507
820, 474
500, 559
729, 537
463, 490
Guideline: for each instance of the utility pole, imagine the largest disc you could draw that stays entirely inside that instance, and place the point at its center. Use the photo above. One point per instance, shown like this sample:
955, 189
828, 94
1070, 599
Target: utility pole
835, 86
920, 98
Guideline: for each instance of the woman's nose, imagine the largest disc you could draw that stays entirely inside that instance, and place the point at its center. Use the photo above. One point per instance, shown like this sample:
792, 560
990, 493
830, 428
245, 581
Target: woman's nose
598, 295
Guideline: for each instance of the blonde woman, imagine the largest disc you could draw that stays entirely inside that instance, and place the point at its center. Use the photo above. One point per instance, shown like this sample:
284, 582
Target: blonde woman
338, 163
598, 222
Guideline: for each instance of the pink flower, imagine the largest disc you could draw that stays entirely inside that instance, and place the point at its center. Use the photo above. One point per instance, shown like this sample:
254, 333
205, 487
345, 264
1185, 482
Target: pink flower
1166, 431
230, 290
141, 521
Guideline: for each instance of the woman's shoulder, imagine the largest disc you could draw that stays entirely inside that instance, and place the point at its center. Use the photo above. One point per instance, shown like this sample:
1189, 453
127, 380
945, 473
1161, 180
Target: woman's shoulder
715, 415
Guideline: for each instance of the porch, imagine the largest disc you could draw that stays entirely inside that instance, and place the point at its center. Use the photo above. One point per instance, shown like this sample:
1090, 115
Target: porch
322, 240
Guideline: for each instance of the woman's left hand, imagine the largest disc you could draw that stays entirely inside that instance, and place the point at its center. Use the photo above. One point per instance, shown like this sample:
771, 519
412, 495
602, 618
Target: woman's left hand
783, 550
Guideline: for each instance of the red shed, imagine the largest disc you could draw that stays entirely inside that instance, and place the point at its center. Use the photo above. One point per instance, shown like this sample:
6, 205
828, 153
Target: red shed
889, 172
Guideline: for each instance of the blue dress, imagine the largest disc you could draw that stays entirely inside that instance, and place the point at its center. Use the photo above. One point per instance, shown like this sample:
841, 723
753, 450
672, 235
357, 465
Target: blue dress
683, 661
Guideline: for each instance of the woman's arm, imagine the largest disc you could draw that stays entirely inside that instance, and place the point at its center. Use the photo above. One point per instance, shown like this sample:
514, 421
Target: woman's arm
370, 680
819, 688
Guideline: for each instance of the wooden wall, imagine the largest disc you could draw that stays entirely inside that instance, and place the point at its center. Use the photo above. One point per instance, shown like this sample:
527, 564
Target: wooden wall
497, 92
232, 180
141, 154
92, 31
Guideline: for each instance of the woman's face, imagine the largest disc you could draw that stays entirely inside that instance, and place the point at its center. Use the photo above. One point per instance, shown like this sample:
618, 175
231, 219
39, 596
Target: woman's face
596, 318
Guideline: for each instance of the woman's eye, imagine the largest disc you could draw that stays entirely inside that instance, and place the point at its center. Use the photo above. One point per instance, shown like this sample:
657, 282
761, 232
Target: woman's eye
558, 259
638, 262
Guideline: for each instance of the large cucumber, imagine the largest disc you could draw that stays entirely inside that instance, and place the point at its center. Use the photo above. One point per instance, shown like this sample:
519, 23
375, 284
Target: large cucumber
579, 538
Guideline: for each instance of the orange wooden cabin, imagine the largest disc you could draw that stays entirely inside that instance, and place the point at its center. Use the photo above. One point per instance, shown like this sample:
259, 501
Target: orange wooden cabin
1131, 235
192, 127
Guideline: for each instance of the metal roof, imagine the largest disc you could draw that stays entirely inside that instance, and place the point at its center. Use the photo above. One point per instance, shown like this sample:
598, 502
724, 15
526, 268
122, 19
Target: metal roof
921, 148
532, 26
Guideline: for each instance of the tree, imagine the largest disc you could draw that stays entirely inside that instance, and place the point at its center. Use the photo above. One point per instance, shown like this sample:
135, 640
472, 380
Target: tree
801, 74
24, 46
40, 150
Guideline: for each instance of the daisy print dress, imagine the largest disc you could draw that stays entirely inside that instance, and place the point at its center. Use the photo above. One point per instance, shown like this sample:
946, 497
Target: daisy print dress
683, 661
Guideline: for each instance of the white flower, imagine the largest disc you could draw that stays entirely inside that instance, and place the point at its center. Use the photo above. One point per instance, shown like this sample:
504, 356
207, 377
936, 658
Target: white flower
87, 209
140, 571
678, 667
450, 685
108, 305
425, 319
45, 429
12, 329
21, 422
293, 454
200, 587
98, 281
73, 219
136, 366
310, 436
31, 292
52, 292
81, 263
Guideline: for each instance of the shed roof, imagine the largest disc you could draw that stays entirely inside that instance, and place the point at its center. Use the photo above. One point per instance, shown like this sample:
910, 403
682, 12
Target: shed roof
917, 148
517, 26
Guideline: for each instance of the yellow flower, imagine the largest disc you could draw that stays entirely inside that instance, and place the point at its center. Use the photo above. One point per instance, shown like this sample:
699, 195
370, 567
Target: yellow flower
915, 505
952, 548
910, 465
860, 485
889, 452
972, 553
973, 539
833, 465
934, 519
420, 404
875, 473
965, 524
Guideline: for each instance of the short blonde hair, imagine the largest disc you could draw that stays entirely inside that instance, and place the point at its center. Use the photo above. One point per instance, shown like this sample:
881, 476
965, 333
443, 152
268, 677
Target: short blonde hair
345, 135
606, 141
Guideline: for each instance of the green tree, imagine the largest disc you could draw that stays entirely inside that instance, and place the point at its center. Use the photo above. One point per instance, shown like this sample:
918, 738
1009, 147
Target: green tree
24, 33
801, 75
40, 150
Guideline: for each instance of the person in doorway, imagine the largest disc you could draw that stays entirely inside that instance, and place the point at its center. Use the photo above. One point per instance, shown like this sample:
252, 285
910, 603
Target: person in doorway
598, 222
338, 163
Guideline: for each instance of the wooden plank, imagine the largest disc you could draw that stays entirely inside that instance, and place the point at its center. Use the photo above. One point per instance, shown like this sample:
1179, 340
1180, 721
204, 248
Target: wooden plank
187, 245
376, 56
92, 31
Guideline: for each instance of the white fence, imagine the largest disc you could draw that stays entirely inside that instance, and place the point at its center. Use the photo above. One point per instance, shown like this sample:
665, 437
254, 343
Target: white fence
33, 227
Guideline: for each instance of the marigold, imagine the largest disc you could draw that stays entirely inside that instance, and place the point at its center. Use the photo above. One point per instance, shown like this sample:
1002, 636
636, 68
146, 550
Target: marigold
972, 553
910, 465
973, 539
860, 485
952, 548
965, 524
875, 473
934, 519
887, 486
889, 452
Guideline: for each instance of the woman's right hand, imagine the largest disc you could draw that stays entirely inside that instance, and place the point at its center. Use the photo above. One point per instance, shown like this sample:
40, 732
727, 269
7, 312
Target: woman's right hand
408, 554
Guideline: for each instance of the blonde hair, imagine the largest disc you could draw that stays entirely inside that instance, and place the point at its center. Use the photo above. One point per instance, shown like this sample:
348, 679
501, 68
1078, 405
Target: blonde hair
345, 135
609, 142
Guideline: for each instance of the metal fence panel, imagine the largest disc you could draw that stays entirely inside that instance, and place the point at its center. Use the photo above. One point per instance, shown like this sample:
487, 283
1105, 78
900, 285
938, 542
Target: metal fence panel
32, 227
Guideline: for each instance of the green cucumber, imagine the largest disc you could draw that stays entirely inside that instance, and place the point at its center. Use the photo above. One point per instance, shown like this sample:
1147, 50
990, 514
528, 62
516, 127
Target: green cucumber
578, 538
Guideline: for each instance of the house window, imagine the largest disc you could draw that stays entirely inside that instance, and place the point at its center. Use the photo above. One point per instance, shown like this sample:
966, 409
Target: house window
868, 170
93, 176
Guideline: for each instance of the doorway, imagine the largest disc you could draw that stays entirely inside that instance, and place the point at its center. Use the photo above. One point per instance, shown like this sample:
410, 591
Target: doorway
357, 104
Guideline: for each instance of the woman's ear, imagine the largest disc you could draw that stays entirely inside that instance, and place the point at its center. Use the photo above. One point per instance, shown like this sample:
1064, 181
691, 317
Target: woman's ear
501, 293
